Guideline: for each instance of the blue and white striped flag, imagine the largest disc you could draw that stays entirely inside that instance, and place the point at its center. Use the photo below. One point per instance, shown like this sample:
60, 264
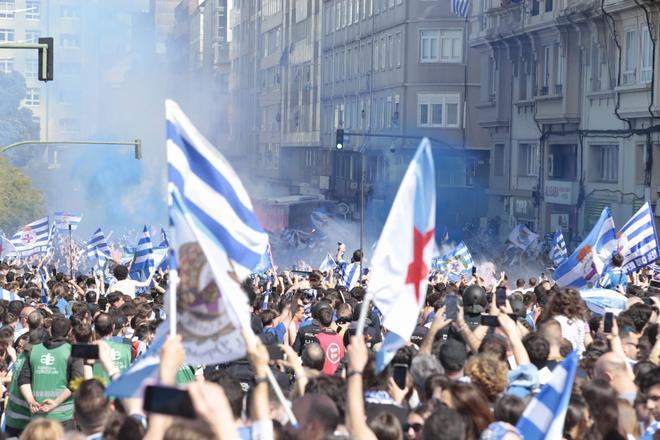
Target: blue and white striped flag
351, 275
8, 295
558, 252
460, 7
97, 246
638, 240
591, 257
143, 262
544, 416
455, 263
217, 241
164, 243
31, 239
328, 264
63, 219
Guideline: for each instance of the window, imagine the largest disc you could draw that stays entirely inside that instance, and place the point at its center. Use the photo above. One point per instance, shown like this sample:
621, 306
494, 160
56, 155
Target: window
6, 65
32, 97
428, 46
451, 46
390, 57
70, 11
383, 53
562, 161
630, 66
301, 10
356, 13
607, 158
33, 9
437, 111
596, 67
270, 7
535, 7
32, 36
492, 79
69, 124
396, 111
546, 70
498, 160
646, 71
548, 5
7, 8
345, 14
376, 54
70, 41
338, 16
397, 49
522, 76
528, 160
7, 35
559, 74
31, 69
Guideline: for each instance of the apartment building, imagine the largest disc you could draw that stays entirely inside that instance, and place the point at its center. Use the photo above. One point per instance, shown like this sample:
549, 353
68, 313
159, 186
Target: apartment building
570, 104
402, 70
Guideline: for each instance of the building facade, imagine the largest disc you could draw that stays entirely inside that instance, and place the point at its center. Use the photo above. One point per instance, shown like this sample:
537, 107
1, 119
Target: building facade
398, 71
570, 104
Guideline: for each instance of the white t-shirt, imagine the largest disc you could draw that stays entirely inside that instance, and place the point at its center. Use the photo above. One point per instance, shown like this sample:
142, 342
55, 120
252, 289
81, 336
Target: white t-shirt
574, 330
127, 287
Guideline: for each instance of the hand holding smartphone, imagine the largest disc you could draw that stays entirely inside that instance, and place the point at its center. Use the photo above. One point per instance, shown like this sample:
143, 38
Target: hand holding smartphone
169, 401
608, 322
451, 307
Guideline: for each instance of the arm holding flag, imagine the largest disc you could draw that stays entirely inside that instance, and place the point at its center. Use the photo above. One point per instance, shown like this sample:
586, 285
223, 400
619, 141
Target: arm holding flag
358, 357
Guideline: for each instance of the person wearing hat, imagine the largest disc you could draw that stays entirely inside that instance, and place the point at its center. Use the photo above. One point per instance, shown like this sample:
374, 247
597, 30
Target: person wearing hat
452, 356
474, 304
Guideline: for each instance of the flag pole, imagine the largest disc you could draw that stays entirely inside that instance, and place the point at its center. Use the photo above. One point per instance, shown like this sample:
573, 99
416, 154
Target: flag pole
173, 284
359, 331
70, 252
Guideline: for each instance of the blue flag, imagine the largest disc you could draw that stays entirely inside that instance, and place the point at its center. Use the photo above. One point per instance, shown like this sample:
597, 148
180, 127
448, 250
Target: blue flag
558, 252
638, 240
544, 416
144, 257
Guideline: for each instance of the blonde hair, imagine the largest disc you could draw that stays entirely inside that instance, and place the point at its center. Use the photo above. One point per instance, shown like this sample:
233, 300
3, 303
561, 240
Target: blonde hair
489, 374
42, 429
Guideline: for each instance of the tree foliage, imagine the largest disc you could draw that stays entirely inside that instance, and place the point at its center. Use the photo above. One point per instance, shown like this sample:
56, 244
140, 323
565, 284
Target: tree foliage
20, 202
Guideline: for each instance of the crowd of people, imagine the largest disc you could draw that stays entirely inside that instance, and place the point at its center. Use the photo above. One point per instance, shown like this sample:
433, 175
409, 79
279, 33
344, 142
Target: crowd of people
478, 356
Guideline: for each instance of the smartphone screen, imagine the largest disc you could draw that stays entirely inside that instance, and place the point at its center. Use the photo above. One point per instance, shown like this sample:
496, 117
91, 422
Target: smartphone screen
490, 321
85, 351
451, 306
607, 322
500, 297
399, 375
168, 400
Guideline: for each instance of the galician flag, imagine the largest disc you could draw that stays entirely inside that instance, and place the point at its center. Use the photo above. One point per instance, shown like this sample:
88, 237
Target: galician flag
402, 258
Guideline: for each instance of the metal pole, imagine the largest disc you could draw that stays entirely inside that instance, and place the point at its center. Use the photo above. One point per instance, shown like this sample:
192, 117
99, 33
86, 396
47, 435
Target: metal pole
18, 144
362, 179
70, 252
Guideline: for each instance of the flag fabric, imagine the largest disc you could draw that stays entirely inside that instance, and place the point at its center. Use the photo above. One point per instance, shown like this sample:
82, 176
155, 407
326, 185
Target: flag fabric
638, 240
164, 243
445, 235
97, 245
403, 254
351, 275
455, 263
8, 295
328, 264
591, 257
32, 239
143, 262
544, 416
522, 237
64, 219
264, 263
558, 252
217, 242
460, 7
601, 300
135, 378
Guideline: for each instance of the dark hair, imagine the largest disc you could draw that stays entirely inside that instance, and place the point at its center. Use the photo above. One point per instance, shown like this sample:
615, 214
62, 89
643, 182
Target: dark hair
232, 388
91, 406
649, 380
90, 296
385, 426
538, 349
82, 332
444, 423
103, 325
432, 382
35, 319
520, 282
575, 416
60, 327
473, 406
357, 256
567, 302
325, 316
617, 260
267, 317
313, 356
120, 272
602, 402
639, 314
509, 408
493, 345
332, 386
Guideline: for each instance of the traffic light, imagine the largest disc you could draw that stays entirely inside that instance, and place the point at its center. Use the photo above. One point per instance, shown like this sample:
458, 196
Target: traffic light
46, 60
339, 144
138, 149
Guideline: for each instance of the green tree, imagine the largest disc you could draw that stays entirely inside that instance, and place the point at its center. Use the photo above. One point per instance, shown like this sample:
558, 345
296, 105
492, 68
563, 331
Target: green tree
16, 123
20, 202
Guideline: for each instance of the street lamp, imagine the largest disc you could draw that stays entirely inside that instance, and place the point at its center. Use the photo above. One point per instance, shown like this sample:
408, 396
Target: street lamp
137, 145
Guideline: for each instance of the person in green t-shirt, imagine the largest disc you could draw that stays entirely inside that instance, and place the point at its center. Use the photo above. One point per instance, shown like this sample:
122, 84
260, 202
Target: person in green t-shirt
120, 351
46, 373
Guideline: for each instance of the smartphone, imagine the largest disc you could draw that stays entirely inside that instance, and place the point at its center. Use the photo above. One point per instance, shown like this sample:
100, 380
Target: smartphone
85, 351
500, 297
607, 322
451, 306
274, 352
490, 321
399, 375
168, 400
474, 270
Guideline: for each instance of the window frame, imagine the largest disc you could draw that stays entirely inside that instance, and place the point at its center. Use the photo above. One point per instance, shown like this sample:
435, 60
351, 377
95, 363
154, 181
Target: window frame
431, 101
433, 35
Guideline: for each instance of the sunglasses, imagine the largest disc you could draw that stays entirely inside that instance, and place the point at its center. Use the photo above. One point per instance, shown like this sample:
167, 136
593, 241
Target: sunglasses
415, 427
